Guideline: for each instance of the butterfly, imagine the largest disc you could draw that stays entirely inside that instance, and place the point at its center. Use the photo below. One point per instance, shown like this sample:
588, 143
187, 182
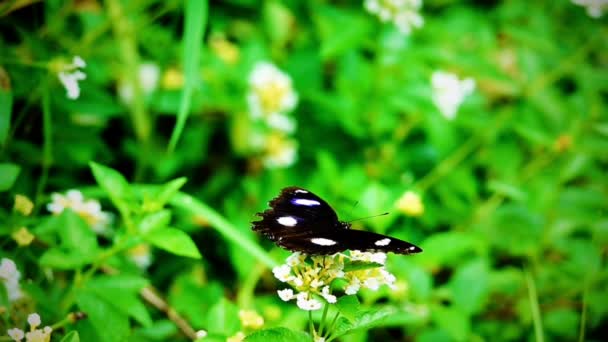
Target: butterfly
301, 221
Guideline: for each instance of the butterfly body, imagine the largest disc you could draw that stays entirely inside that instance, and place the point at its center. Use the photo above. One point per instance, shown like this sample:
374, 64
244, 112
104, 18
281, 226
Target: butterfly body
301, 221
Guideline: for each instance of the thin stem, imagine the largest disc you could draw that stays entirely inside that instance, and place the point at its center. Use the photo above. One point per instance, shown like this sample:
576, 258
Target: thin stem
322, 324
331, 327
47, 136
534, 307
311, 326
581, 331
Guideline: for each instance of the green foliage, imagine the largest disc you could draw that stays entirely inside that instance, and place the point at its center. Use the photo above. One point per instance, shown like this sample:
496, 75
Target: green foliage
173, 148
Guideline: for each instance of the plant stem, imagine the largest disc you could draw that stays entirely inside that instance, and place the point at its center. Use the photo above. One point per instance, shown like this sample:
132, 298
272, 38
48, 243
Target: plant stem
534, 307
322, 324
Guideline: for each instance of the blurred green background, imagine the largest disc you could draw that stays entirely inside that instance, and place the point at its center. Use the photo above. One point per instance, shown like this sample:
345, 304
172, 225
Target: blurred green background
507, 196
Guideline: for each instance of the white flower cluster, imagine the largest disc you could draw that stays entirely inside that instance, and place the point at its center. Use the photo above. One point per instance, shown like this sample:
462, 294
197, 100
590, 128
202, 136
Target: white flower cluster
89, 210
449, 92
403, 13
70, 75
34, 335
9, 277
594, 8
312, 276
148, 77
271, 98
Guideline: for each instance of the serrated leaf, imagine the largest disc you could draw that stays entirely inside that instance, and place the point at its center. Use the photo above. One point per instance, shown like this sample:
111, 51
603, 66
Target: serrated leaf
174, 241
278, 335
72, 336
8, 175
109, 323
348, 307
366, 320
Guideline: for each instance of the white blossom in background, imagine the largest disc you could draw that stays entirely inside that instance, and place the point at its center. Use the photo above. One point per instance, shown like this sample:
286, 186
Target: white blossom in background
405, 14
449, 92
279, 152
141, 255
89, 210
594, 8
148, 76
9, 277
35, 334
70, 75
270, 94
312, 280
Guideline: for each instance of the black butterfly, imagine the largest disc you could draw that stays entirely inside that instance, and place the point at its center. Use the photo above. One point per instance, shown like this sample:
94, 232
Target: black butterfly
301, 221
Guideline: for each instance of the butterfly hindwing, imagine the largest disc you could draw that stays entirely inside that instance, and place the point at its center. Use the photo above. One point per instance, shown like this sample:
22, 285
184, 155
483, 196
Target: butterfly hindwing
299, 220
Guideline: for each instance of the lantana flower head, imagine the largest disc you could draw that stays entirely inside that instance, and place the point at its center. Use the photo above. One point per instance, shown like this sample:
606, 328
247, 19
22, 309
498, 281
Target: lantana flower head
449, 92
35, 334
594, 8
271, 95
405, 14
313, 276
89, 210
9, 277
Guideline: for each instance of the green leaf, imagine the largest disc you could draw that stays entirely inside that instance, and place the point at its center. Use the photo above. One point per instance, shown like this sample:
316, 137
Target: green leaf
109, 323
278, 335
340, 30
154, 221
77, 242
366, 320
195, 12
452, 320
470, 286
223, 318
360, 265
72, 336
348, 307
174, 241
169, 189
448, 248
8, 175
114, 184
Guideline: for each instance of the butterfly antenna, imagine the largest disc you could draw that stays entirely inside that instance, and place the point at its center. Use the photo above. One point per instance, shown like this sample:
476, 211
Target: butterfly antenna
368, 217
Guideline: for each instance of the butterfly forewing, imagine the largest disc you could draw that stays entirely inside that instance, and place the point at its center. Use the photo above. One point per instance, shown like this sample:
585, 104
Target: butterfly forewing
299, 220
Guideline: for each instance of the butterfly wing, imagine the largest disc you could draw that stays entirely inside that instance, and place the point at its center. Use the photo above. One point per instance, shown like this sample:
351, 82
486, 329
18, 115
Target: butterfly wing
330, 242
296, 212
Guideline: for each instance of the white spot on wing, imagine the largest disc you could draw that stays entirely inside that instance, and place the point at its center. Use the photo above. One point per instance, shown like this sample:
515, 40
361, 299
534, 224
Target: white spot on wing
288, 221
323, 241
306, 202
301, 191
383, 242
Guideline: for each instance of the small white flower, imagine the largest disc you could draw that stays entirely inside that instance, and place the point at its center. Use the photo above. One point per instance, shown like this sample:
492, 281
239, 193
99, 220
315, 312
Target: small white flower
89, 210
34, 320
201, 333
282, 273
286, 294
403, 13
594, 8
316, 283
270, 91
281, 122
70, 75
280, 152
295, 259
307, 304
410, 203
449, 92
371, 283
16, 334
353, 287
148, 76
9, 276
328, 296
